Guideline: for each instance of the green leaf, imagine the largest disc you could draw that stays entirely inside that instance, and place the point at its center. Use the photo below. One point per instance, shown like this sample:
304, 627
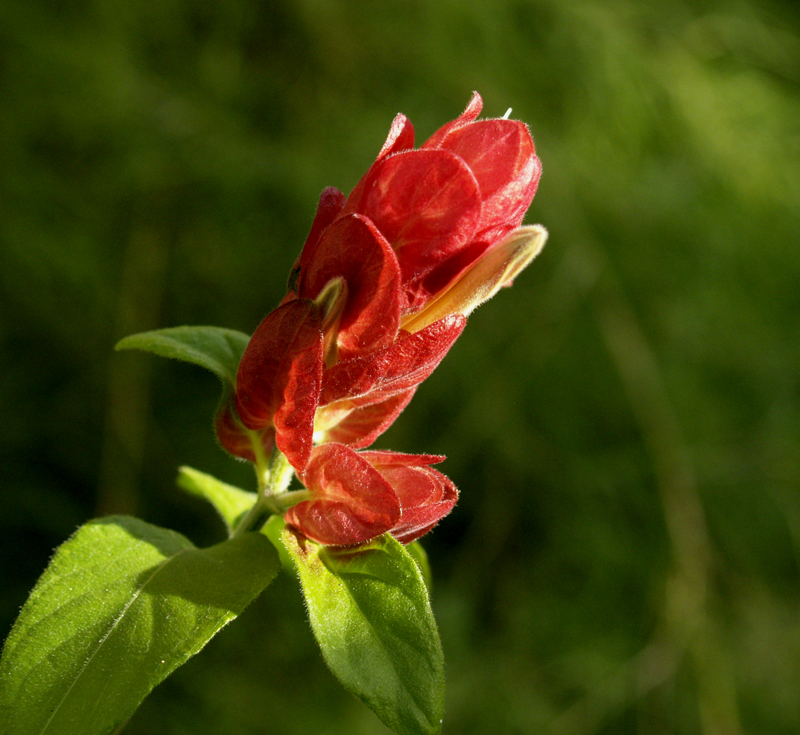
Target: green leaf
230, 502
273, 530
371, 615
214, 348
121, 605
419, 555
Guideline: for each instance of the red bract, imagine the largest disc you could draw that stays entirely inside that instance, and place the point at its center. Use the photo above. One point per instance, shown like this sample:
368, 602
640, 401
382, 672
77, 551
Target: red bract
355, 251
360, 495
426, 496
443, 205
352, 501
280, 375
377, 297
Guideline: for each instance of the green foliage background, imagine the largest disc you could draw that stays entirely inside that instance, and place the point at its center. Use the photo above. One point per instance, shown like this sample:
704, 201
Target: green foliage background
623, 424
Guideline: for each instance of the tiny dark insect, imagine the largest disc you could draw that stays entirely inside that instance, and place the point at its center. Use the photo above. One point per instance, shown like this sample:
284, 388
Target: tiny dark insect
294, 276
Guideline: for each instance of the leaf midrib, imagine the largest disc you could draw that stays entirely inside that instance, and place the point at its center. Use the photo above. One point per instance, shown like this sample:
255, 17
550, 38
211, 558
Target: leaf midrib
108, 634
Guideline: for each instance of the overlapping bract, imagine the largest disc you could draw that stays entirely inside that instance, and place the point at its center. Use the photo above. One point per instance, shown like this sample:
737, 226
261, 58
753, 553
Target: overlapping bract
377, 297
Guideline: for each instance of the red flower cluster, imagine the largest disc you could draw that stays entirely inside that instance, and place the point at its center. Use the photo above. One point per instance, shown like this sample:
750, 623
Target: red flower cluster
377, 297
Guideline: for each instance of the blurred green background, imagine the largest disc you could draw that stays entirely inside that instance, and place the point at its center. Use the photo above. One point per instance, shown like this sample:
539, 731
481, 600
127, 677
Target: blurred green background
623, 424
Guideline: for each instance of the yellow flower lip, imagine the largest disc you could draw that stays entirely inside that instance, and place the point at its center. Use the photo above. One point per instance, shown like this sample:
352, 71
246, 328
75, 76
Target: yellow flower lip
495, 269
331, 302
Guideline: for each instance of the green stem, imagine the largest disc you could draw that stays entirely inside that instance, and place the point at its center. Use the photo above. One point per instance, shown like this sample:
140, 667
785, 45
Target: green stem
260, 507
273, 497
284, 501
261, 464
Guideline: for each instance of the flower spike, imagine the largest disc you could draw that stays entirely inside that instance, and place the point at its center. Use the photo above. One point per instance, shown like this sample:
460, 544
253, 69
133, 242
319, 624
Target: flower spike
378, 295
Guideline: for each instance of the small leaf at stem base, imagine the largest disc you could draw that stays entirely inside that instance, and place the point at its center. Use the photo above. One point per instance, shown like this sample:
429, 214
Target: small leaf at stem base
229, 501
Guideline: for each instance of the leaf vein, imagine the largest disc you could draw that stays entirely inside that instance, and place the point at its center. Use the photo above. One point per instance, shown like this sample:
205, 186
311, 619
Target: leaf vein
111, 629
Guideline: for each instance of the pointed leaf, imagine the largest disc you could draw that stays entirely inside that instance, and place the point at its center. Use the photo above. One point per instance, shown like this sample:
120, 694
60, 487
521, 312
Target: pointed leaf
371, 615
214, 348
120, 607
229, 501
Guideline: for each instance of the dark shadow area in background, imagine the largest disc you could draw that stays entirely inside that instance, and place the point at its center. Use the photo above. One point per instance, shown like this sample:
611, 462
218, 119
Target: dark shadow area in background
623, 424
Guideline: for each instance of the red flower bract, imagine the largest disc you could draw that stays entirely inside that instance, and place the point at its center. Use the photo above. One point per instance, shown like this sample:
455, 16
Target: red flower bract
360, 495
280, 375
443, 205
352, 501
377, 297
